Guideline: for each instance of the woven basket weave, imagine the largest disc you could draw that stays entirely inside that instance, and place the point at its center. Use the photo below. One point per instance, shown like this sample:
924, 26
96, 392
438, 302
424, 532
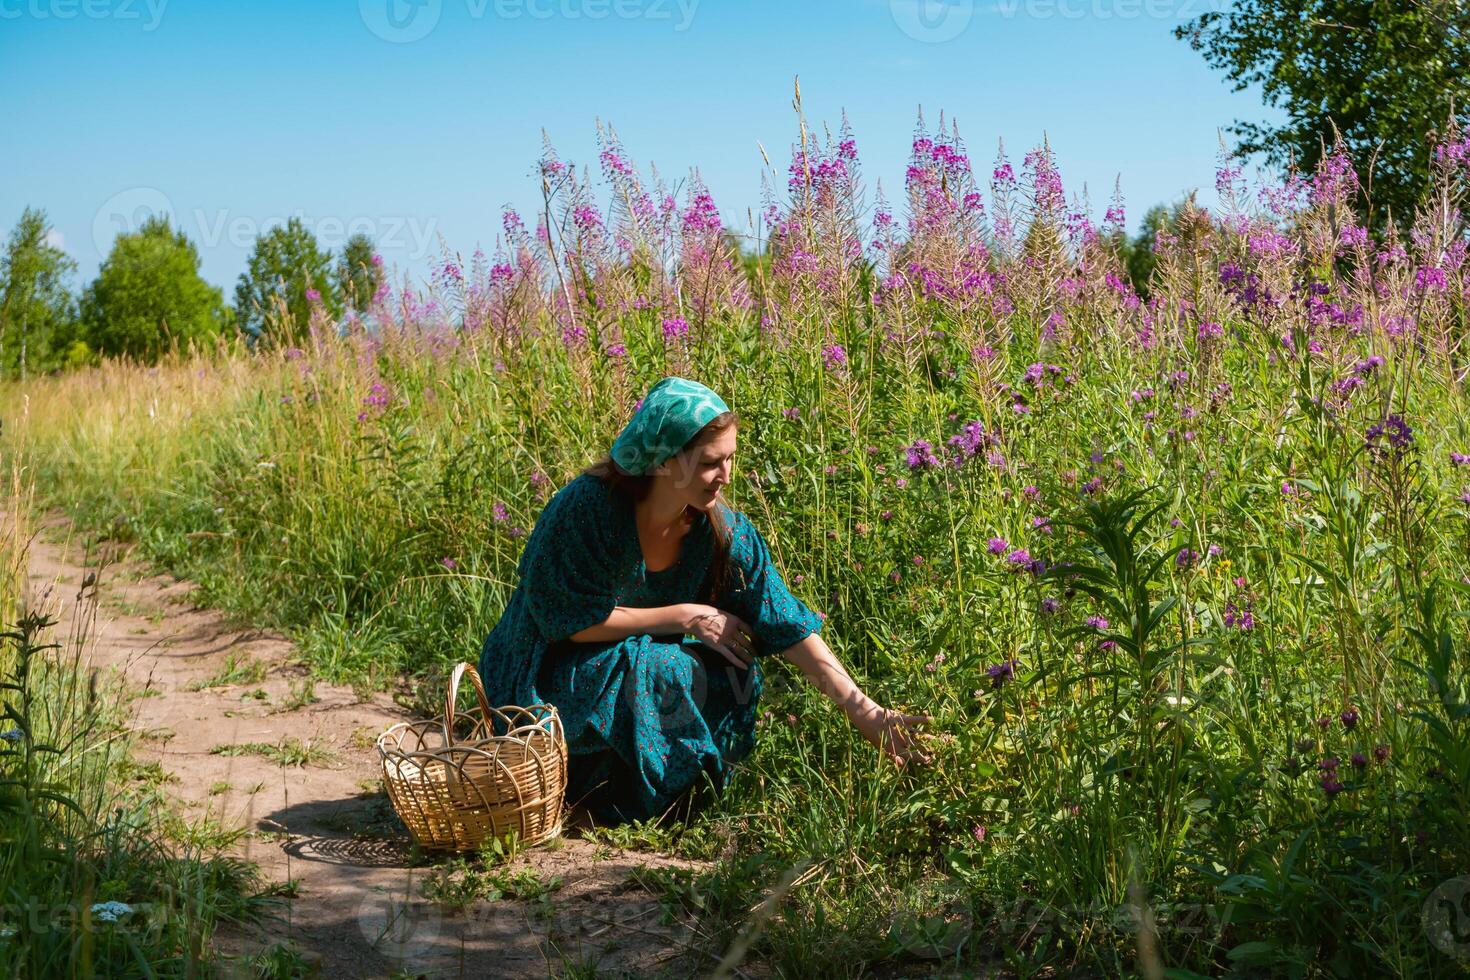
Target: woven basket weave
471, 775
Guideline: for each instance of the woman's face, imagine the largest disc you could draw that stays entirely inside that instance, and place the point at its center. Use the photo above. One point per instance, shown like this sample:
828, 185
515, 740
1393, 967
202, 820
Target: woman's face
700, 473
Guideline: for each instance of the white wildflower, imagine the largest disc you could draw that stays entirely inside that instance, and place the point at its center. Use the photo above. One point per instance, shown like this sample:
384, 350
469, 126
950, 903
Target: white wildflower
110, 911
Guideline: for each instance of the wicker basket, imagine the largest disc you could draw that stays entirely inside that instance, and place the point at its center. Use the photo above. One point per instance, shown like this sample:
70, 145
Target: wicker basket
504, 770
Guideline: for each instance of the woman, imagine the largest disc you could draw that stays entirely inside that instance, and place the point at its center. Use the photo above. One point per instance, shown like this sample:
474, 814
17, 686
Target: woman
625, 561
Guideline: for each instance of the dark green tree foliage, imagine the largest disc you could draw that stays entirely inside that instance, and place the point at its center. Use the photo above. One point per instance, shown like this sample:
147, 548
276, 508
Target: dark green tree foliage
1386, 72
358, 275
148, 295
286, 269
37, 311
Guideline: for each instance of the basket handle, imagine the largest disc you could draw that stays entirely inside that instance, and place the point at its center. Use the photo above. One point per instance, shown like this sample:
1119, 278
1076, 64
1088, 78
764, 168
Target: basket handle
460, 670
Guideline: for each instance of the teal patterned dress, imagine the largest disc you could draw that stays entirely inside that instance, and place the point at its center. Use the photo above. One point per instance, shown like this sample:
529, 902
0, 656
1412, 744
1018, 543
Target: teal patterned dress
646, 716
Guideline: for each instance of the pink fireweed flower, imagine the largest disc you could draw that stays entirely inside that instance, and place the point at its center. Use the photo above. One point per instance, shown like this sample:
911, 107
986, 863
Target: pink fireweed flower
377, 396
675, 328
1431, 278
1353, 236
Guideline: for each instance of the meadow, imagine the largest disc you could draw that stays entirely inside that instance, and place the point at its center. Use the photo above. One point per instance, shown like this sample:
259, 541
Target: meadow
1181, 572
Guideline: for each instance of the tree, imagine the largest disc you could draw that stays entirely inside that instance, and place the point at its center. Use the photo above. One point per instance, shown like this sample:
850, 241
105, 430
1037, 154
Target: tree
149, 294
285, 274
37, 311
1138, 253
1387, 73
359, 272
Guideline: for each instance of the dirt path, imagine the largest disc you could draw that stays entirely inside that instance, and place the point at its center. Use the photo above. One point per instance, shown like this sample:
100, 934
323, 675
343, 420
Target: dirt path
225, 712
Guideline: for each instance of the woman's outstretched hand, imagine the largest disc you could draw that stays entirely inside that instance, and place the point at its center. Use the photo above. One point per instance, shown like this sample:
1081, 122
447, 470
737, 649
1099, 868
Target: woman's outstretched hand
898, 735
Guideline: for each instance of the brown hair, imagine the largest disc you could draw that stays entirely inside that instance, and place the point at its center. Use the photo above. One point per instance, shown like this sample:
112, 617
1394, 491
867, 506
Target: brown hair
633, 488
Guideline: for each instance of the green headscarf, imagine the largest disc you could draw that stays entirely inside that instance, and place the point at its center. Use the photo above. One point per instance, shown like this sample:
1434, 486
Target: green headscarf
667, 418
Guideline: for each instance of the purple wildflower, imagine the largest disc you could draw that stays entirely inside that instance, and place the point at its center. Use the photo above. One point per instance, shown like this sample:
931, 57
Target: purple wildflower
921, 454
998, 545
1349, 719
1395, 431
1002, 672
1239, 617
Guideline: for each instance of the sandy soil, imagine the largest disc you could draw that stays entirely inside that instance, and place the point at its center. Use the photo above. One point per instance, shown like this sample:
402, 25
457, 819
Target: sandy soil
325, 825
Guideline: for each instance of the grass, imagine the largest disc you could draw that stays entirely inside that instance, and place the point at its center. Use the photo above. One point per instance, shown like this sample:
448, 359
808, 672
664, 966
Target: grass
110, 880
290, 751
237, 669
302, 693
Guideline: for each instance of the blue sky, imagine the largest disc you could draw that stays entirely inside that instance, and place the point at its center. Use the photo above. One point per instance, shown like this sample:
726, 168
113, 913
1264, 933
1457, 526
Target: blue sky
413, 119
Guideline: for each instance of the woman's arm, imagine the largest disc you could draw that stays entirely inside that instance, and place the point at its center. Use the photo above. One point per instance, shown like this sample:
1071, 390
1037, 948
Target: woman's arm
892, 731
625, 621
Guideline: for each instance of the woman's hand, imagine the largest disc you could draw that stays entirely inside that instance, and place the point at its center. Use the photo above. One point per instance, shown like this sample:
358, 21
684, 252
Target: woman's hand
898, 735
724, 632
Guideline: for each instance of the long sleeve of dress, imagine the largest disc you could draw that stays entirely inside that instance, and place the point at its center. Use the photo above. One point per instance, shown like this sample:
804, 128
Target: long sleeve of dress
778, 618
567, 570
